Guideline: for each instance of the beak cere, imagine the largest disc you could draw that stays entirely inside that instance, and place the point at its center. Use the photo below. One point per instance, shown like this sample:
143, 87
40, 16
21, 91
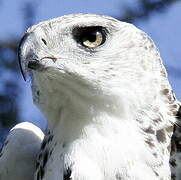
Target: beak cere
53, 58
34, 64
37, 65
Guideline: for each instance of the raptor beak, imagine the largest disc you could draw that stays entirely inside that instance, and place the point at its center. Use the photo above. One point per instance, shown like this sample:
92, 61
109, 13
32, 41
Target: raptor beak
28, 60
20, 55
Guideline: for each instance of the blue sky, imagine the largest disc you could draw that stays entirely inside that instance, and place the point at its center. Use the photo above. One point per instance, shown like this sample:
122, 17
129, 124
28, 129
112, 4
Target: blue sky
164, 28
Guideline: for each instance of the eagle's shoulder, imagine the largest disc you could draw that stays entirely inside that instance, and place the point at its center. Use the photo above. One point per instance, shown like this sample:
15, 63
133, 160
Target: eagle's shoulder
43, 156
175, 155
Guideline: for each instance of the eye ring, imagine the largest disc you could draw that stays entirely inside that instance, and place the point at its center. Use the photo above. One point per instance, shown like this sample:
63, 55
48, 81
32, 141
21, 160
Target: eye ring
90, 37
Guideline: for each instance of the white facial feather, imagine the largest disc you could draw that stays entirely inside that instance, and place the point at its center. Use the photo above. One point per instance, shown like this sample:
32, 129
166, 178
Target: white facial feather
109, 107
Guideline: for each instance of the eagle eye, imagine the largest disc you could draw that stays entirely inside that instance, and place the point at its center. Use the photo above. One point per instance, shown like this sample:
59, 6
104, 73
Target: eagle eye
90, 37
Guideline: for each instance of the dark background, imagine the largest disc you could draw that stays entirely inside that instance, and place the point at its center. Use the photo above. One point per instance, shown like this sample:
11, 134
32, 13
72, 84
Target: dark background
161, 19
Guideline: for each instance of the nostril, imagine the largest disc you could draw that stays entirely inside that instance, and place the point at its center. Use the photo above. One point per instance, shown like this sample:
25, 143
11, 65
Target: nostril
34, 64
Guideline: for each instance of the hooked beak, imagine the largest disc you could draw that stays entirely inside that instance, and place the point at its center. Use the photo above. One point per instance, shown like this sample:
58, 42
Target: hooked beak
29, 60
19, 55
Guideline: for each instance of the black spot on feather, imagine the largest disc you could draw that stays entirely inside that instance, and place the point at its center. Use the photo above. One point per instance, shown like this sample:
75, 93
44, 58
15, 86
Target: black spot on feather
67, 174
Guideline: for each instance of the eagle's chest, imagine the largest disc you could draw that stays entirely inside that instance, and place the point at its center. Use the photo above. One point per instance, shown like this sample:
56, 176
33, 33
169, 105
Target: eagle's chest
100, 156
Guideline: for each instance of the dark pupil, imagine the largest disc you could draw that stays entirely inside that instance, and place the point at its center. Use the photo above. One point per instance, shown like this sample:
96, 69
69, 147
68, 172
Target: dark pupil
90, 36
83, 34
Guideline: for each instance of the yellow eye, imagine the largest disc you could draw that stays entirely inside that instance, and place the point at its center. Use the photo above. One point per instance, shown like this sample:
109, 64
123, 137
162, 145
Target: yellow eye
93, 41
90, 37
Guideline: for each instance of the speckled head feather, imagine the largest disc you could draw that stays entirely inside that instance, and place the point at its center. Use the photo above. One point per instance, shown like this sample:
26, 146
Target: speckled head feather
104, 90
